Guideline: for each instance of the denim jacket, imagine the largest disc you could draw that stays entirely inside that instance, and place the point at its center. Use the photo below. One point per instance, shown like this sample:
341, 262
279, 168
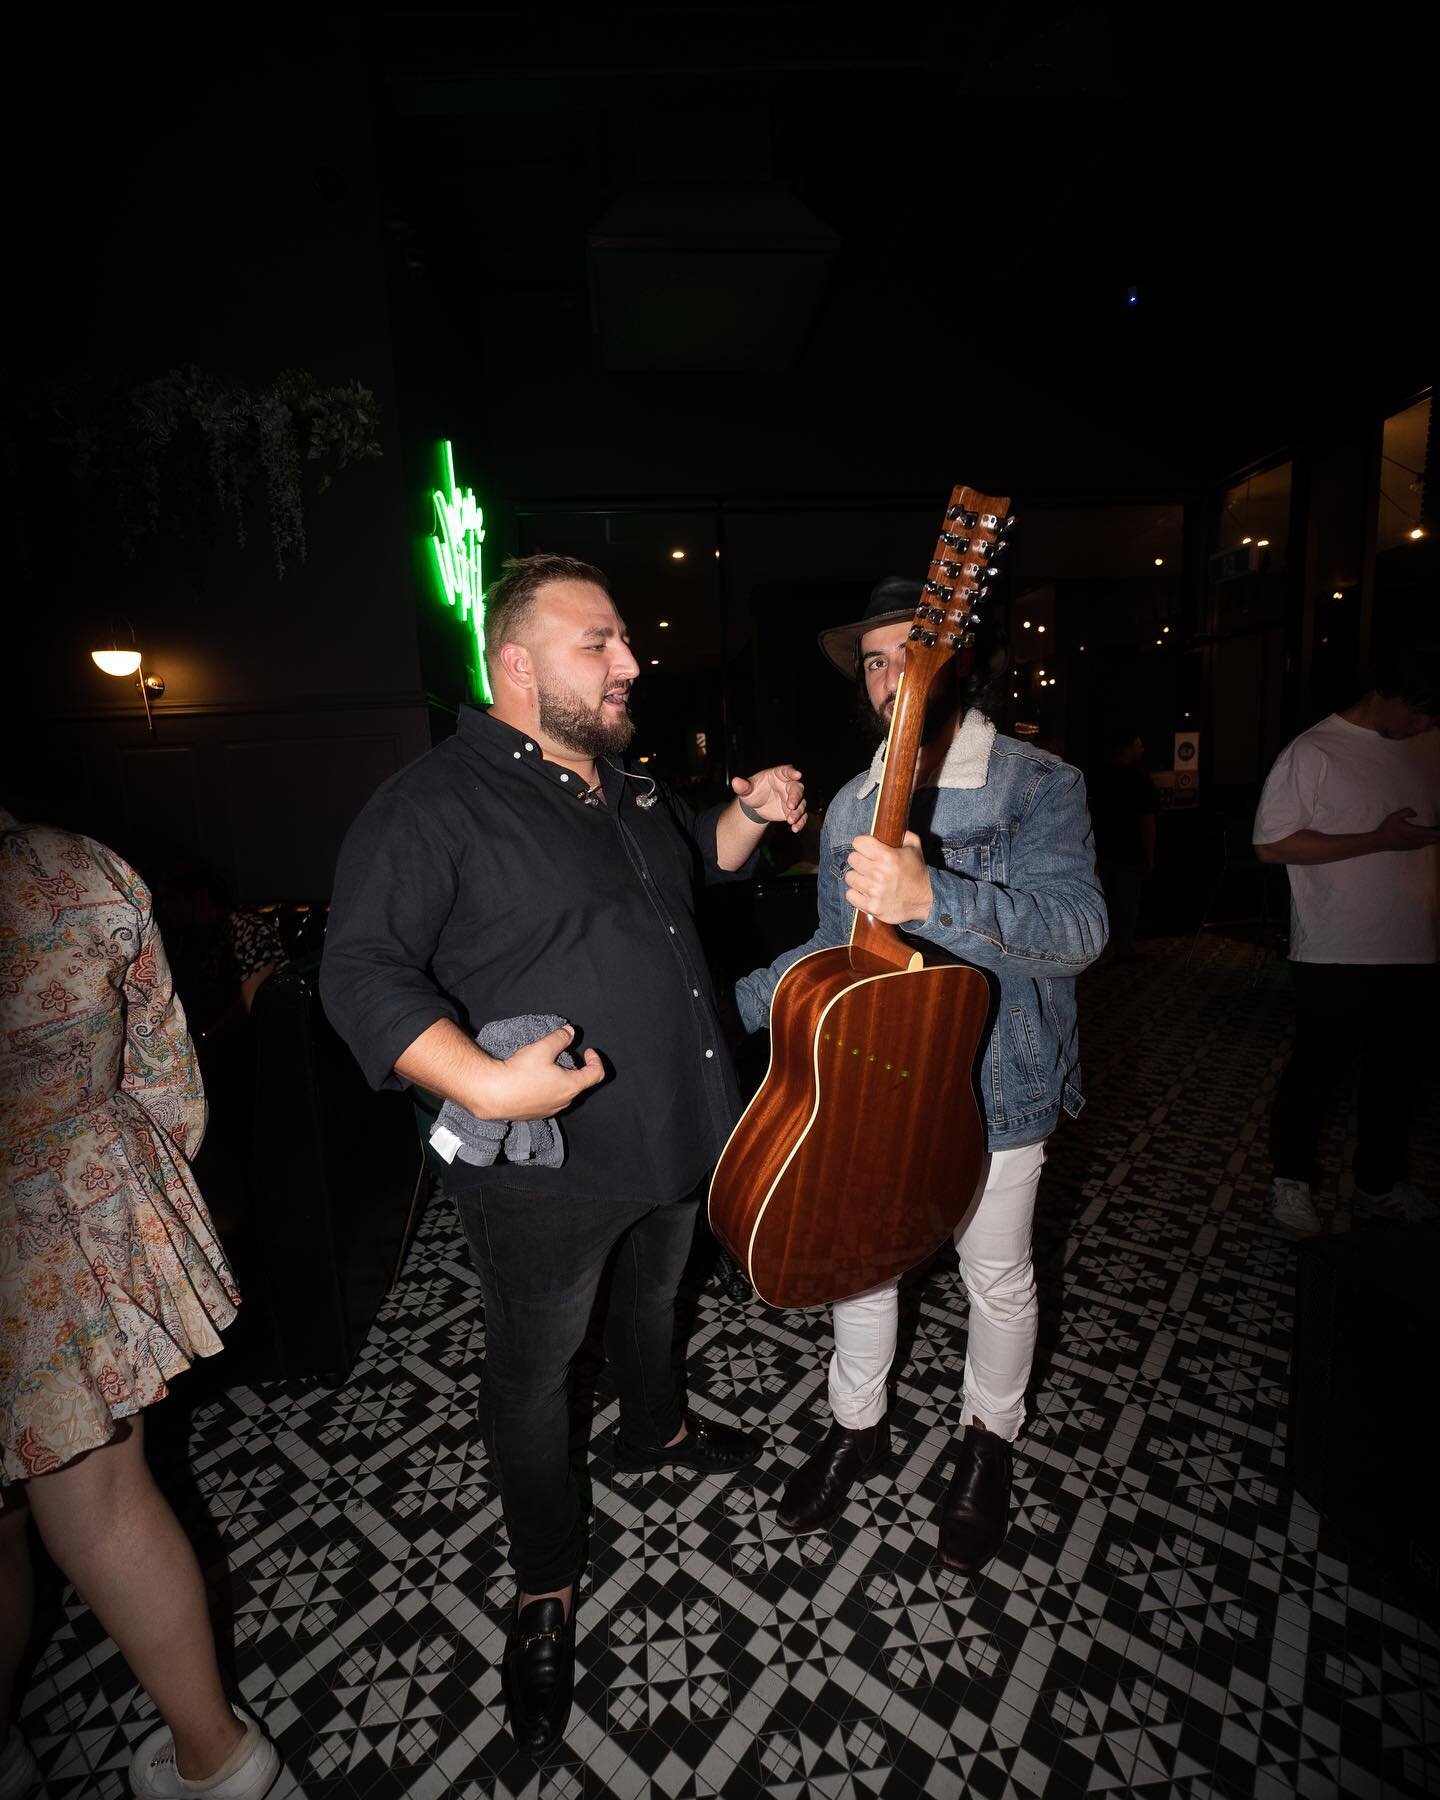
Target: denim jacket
1012, 869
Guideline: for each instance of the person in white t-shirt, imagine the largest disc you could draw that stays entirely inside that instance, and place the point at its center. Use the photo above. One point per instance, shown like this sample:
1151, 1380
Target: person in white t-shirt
1351, 808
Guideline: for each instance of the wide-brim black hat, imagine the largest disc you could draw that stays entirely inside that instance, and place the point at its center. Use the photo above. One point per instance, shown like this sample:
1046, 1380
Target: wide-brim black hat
891, 600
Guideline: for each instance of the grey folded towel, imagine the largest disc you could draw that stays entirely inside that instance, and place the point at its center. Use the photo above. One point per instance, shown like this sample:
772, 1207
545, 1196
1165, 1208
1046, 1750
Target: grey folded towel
481, 1141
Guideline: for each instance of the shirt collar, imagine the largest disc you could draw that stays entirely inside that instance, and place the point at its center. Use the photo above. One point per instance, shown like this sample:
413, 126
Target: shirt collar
967, 761
505, 746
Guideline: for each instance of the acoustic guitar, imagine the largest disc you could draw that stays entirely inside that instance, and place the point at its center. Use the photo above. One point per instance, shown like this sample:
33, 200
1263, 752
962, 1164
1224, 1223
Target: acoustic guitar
861, 1151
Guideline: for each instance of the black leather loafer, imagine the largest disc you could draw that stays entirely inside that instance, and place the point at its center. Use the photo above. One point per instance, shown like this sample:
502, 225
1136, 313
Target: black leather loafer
707, 1447
538, 1674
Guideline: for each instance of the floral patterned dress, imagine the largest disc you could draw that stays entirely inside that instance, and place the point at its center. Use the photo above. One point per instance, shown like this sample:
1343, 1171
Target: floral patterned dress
111, 1278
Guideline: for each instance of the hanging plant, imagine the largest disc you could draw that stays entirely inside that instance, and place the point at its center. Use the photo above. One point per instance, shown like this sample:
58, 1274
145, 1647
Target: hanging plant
147, 442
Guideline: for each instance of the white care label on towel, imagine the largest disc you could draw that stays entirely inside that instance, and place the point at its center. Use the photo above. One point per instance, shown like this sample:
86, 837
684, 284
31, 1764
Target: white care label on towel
444, 1142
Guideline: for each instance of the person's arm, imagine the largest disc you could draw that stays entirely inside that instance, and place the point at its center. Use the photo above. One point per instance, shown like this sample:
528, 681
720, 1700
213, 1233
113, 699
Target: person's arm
159, 1070
396, 885
754, 992
777, 794
1048, 918
528, 1085
1396, 832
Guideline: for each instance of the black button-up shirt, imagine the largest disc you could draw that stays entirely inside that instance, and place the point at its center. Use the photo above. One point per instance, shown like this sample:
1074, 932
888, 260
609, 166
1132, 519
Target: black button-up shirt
477, 885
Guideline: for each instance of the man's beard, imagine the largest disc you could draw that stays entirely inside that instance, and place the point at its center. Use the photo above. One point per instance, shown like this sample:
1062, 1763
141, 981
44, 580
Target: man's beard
582, 729
939, 710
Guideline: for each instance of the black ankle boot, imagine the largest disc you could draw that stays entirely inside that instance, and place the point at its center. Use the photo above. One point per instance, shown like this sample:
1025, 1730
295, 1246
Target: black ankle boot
816, 1493
976, 1513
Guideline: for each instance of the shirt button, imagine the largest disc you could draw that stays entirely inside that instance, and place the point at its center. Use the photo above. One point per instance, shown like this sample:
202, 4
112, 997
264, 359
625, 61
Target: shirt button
517, 756
528, 744
672, 931
945, 919
564, 777
709, 1052
695, 992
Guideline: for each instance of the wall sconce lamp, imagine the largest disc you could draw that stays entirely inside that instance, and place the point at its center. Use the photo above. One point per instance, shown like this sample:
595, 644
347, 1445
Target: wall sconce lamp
123, 663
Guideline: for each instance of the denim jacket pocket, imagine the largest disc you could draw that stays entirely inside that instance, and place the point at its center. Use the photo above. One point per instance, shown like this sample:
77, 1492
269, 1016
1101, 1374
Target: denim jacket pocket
1020, 1059
983, 856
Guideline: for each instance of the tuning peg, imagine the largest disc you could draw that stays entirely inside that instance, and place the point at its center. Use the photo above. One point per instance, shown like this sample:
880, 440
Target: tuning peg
1000, 548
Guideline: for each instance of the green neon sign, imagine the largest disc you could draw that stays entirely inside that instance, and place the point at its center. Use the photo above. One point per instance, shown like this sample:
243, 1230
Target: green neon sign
456, 540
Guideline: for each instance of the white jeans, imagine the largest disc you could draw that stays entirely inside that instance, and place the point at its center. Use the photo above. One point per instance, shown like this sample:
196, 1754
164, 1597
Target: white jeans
994, 1244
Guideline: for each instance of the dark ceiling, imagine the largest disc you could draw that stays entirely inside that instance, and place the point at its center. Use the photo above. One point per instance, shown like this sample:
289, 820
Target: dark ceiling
1186, 231
1128, 248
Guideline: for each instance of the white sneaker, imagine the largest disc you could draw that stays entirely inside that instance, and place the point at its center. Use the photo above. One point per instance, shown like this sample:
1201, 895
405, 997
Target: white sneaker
248, 1774
1404, 1201
19, 1771
1292, 1207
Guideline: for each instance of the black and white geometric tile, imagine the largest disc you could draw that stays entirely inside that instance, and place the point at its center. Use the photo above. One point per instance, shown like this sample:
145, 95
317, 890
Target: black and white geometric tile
1166, 1618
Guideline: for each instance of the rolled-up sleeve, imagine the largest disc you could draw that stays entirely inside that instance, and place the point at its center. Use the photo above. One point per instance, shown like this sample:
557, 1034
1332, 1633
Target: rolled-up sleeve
700, 829
395, 888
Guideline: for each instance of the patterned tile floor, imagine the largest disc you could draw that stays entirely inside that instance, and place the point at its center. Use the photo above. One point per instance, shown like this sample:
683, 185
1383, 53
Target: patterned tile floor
1167, 1618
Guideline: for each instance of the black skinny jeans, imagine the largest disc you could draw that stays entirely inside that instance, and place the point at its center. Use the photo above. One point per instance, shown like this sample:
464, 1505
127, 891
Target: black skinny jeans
1385, 1012
540, 1263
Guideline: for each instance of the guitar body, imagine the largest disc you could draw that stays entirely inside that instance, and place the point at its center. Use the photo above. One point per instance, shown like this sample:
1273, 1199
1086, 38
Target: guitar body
860, 1153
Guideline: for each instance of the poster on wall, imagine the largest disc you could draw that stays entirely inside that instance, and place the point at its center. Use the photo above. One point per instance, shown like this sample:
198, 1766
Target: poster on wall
1179, 785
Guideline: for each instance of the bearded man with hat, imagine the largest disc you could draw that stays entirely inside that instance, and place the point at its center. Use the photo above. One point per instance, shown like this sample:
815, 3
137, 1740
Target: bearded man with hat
998, 869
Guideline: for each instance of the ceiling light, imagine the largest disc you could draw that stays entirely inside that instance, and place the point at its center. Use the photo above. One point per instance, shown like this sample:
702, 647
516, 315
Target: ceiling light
1417, 533
664, 624
677, 556
1166, 630
654, 662
1160, 641
1247, 540
1027, 624
1337, 595
1039, 627
1262, 543
1159, 562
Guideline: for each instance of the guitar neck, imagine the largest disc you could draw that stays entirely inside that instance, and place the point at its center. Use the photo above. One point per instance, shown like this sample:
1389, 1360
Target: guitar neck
958, 582
874, 940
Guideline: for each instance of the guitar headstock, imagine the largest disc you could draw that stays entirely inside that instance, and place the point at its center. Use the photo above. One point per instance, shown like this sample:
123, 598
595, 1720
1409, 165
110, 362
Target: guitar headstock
962, 573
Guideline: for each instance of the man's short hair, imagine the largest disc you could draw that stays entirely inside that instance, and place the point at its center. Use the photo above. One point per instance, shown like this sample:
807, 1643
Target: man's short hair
1408, 672
511, 599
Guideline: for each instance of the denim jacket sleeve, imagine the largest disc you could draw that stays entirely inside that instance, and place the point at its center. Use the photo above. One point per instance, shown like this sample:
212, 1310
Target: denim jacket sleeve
753, 992
1047, 917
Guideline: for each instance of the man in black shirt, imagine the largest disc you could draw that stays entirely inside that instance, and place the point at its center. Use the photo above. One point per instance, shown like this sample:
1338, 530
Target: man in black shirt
1123, 806
518, 869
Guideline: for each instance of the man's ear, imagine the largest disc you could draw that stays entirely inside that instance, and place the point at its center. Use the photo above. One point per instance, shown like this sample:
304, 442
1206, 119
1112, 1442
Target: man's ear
515, 660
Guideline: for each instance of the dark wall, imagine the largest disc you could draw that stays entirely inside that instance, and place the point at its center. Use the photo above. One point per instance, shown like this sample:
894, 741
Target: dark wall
233, 224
